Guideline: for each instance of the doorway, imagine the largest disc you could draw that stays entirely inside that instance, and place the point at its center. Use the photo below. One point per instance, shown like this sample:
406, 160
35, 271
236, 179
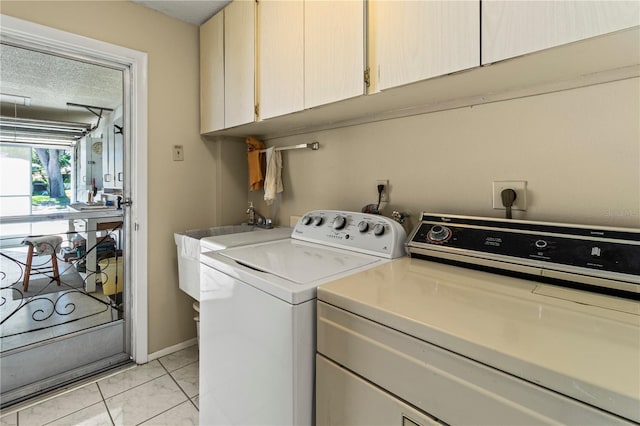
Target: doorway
70, 293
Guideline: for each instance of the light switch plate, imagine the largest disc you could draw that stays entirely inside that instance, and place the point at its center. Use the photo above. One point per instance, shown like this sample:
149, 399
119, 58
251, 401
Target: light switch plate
178, 153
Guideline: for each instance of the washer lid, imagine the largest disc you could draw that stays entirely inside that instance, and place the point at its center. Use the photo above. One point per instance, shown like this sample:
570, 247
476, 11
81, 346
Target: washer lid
298, 261
254, 236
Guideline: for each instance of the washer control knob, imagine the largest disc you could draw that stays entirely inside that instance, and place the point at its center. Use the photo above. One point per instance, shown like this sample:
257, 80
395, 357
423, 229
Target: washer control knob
439, 233
363, 226
541, 244
306, 220
378, 229
317, 221
339, 222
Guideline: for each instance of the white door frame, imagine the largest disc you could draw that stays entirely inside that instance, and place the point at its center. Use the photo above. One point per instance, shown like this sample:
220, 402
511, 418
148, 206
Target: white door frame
73, 44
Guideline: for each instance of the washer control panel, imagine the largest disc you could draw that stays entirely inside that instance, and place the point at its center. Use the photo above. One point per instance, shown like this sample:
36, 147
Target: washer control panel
362, 232
609, 253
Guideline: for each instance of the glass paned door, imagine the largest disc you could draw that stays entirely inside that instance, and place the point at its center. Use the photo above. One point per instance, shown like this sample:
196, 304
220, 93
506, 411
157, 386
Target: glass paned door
64, 310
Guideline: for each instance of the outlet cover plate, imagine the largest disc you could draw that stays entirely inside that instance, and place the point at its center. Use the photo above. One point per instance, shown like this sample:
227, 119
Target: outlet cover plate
385, 192
520, 186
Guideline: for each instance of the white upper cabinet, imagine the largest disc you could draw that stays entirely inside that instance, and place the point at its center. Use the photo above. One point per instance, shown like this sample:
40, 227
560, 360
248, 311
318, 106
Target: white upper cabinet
513, 28
239, 63
281, 57
411, 41
112, 151
118, 153
212, 74
334, 51
288, 56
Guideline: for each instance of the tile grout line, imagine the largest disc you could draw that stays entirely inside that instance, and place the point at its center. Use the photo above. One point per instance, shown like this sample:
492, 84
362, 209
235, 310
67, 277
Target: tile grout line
133, 387
73, 412
176, 382
159, 414
179, 387
104, 402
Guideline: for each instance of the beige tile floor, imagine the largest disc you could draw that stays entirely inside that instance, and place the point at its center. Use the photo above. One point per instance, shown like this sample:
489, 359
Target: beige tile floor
161, 392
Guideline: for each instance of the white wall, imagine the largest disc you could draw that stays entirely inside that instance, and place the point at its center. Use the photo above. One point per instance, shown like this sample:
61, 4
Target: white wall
578, 149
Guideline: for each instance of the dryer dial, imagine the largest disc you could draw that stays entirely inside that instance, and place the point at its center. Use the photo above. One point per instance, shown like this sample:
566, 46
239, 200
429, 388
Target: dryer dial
439, 233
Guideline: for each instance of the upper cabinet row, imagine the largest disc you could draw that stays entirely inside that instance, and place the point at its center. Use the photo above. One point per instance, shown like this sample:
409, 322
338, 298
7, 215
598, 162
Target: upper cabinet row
272, 58
513, 28
305, 54
310, 53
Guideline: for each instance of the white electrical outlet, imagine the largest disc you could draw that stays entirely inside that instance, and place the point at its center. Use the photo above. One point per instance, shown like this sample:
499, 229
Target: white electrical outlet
178, 153
520, 186
385, 192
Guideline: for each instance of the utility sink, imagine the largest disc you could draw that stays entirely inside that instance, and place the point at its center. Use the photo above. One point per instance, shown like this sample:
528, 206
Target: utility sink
191, 243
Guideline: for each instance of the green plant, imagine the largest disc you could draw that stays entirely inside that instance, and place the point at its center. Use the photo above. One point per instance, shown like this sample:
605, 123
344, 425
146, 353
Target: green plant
45, 200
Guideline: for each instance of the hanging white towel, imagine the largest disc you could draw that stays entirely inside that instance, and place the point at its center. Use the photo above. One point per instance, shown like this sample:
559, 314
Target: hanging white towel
273, 176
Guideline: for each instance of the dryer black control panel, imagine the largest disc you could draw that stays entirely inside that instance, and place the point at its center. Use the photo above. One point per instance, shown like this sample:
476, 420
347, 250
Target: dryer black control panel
587, 253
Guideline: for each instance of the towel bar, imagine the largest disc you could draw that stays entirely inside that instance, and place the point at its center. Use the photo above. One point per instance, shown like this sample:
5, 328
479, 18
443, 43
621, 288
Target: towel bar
313, 146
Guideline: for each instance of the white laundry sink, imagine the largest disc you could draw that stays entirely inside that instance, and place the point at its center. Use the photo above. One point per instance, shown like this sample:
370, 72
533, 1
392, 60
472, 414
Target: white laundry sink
188, 246
191, 243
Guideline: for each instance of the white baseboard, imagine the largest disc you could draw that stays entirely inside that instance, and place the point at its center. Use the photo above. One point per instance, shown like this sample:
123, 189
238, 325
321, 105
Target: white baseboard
172, 349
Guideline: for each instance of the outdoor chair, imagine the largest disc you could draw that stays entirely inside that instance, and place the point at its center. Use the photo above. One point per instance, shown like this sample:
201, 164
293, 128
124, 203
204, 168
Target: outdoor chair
41, 246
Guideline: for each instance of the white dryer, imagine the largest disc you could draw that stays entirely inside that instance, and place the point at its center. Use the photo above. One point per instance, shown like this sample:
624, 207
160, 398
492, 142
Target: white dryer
258, 308
490, 321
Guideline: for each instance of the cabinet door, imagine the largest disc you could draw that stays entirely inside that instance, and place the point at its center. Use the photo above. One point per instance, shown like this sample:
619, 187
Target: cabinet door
334, 51
118, 155
415, 40
239, 63
212, 74
513, 28
108, 150
281, 58
81, 165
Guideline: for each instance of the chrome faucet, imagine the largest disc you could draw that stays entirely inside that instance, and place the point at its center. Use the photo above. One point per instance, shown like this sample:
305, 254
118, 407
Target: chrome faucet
251, 212
257, 219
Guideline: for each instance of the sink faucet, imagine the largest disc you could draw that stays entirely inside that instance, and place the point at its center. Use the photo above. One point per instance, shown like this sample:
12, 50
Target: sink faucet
257, 219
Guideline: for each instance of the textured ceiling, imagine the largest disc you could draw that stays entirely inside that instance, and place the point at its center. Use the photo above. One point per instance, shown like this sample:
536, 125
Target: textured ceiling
194, 12
52, 81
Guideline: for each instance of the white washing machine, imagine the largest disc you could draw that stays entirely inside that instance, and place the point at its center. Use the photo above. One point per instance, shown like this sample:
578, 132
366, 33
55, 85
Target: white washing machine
258, 308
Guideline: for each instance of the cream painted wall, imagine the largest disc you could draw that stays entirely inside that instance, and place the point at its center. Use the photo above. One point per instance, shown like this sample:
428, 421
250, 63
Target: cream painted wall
578, 149
181, 195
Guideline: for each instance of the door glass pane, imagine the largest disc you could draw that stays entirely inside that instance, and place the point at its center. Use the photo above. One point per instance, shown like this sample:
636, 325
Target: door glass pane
60, 282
